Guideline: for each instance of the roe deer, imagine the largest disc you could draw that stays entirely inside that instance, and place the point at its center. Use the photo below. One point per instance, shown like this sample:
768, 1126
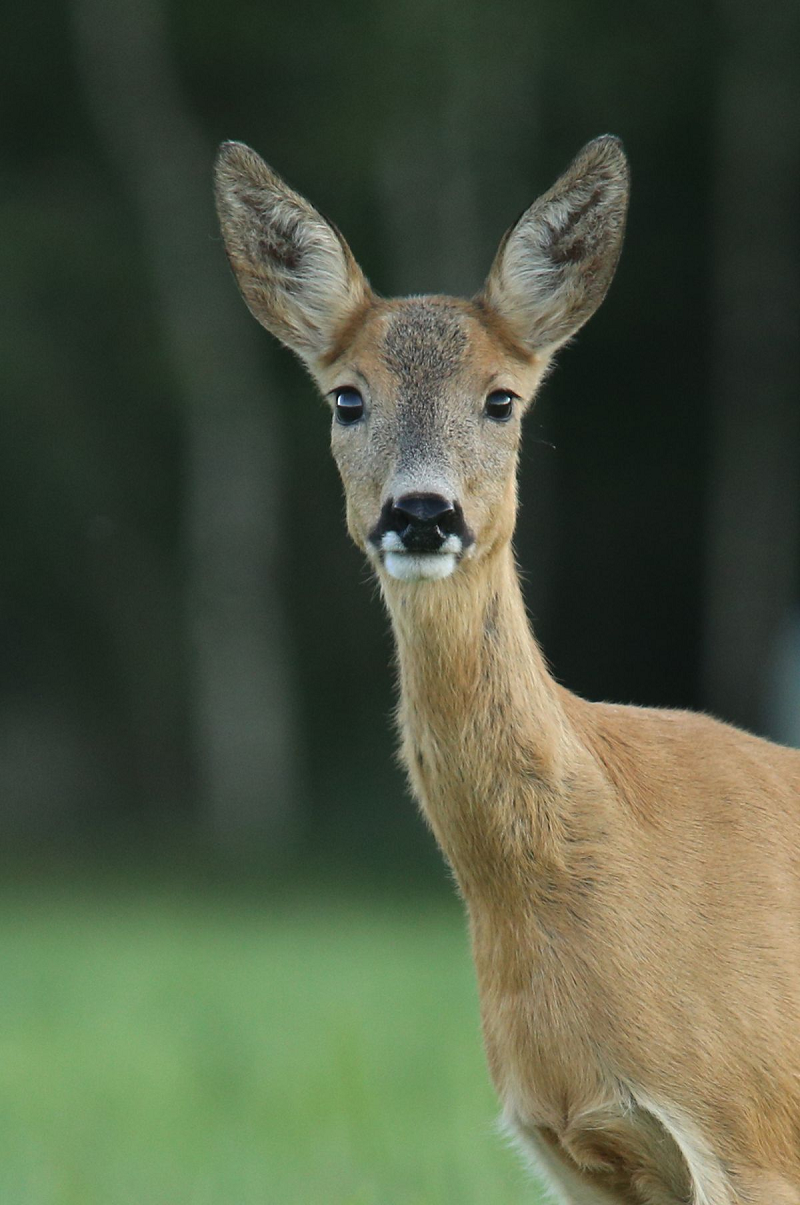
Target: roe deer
630, 875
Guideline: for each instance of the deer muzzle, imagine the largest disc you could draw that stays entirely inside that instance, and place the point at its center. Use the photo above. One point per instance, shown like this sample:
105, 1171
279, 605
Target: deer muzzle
421, 536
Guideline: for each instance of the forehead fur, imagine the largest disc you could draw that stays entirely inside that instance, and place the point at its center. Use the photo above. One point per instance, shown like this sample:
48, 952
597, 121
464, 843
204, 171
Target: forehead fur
428, 338
425, 341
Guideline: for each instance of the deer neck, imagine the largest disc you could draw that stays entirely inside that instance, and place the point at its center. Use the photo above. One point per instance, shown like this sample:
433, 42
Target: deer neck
485, 737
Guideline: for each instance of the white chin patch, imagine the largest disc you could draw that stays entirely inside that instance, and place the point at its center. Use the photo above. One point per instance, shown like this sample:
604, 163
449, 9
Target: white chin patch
419, 566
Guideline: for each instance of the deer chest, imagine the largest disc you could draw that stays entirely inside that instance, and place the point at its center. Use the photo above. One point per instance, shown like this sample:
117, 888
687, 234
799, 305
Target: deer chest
589, 1134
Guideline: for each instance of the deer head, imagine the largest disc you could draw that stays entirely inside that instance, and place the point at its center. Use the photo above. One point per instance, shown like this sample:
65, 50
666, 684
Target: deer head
427, 393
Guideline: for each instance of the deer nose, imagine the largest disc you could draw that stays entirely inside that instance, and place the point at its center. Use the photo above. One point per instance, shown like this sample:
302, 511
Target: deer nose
424, 521
423, 510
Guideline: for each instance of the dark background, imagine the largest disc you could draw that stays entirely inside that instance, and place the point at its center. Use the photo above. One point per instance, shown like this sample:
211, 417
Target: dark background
192, 657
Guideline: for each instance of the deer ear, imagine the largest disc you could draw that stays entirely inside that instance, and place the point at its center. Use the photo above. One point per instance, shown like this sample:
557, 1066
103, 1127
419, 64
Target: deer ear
295, 271
554, 266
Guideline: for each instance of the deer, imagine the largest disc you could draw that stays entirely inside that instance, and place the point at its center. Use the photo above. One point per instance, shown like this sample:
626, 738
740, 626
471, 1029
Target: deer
630, 875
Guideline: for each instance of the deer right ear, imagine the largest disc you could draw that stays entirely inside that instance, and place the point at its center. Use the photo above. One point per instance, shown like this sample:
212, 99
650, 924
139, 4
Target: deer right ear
295, 271
554, 266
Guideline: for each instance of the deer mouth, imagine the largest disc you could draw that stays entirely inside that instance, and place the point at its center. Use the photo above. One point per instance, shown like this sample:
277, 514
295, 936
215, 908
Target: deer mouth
410, 564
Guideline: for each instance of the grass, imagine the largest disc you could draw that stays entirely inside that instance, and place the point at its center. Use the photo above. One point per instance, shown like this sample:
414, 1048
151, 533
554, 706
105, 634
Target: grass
210, 1049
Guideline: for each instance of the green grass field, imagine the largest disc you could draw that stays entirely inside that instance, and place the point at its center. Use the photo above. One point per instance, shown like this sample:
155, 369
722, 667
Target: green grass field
194, 1048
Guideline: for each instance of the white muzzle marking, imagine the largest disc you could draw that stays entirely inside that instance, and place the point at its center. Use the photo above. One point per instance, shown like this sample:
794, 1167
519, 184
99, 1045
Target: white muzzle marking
408, 566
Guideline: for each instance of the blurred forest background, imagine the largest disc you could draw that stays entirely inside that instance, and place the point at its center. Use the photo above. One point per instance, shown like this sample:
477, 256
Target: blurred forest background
192, 654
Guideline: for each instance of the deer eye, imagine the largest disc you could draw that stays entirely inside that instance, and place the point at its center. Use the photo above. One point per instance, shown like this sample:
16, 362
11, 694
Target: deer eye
500, 405
349, 405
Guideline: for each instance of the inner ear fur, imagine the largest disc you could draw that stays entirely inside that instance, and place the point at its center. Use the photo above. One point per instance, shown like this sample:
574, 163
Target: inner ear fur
554, 266
296, 272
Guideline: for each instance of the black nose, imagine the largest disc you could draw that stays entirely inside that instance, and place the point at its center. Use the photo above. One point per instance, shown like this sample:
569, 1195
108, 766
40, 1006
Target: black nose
424, 521
423, 510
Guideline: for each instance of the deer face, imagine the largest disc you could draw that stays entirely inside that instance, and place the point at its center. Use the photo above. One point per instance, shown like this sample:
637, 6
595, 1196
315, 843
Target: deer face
427, 393
427, 408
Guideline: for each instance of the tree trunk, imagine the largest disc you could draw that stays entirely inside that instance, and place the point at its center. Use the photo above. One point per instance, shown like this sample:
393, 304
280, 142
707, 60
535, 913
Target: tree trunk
754, 504
242, 692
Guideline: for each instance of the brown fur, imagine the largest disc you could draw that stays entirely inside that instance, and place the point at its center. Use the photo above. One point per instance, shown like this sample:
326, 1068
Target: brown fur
631, 876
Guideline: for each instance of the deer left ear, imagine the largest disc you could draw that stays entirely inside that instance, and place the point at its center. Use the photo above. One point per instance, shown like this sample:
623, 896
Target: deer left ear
295, 271
554, 266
